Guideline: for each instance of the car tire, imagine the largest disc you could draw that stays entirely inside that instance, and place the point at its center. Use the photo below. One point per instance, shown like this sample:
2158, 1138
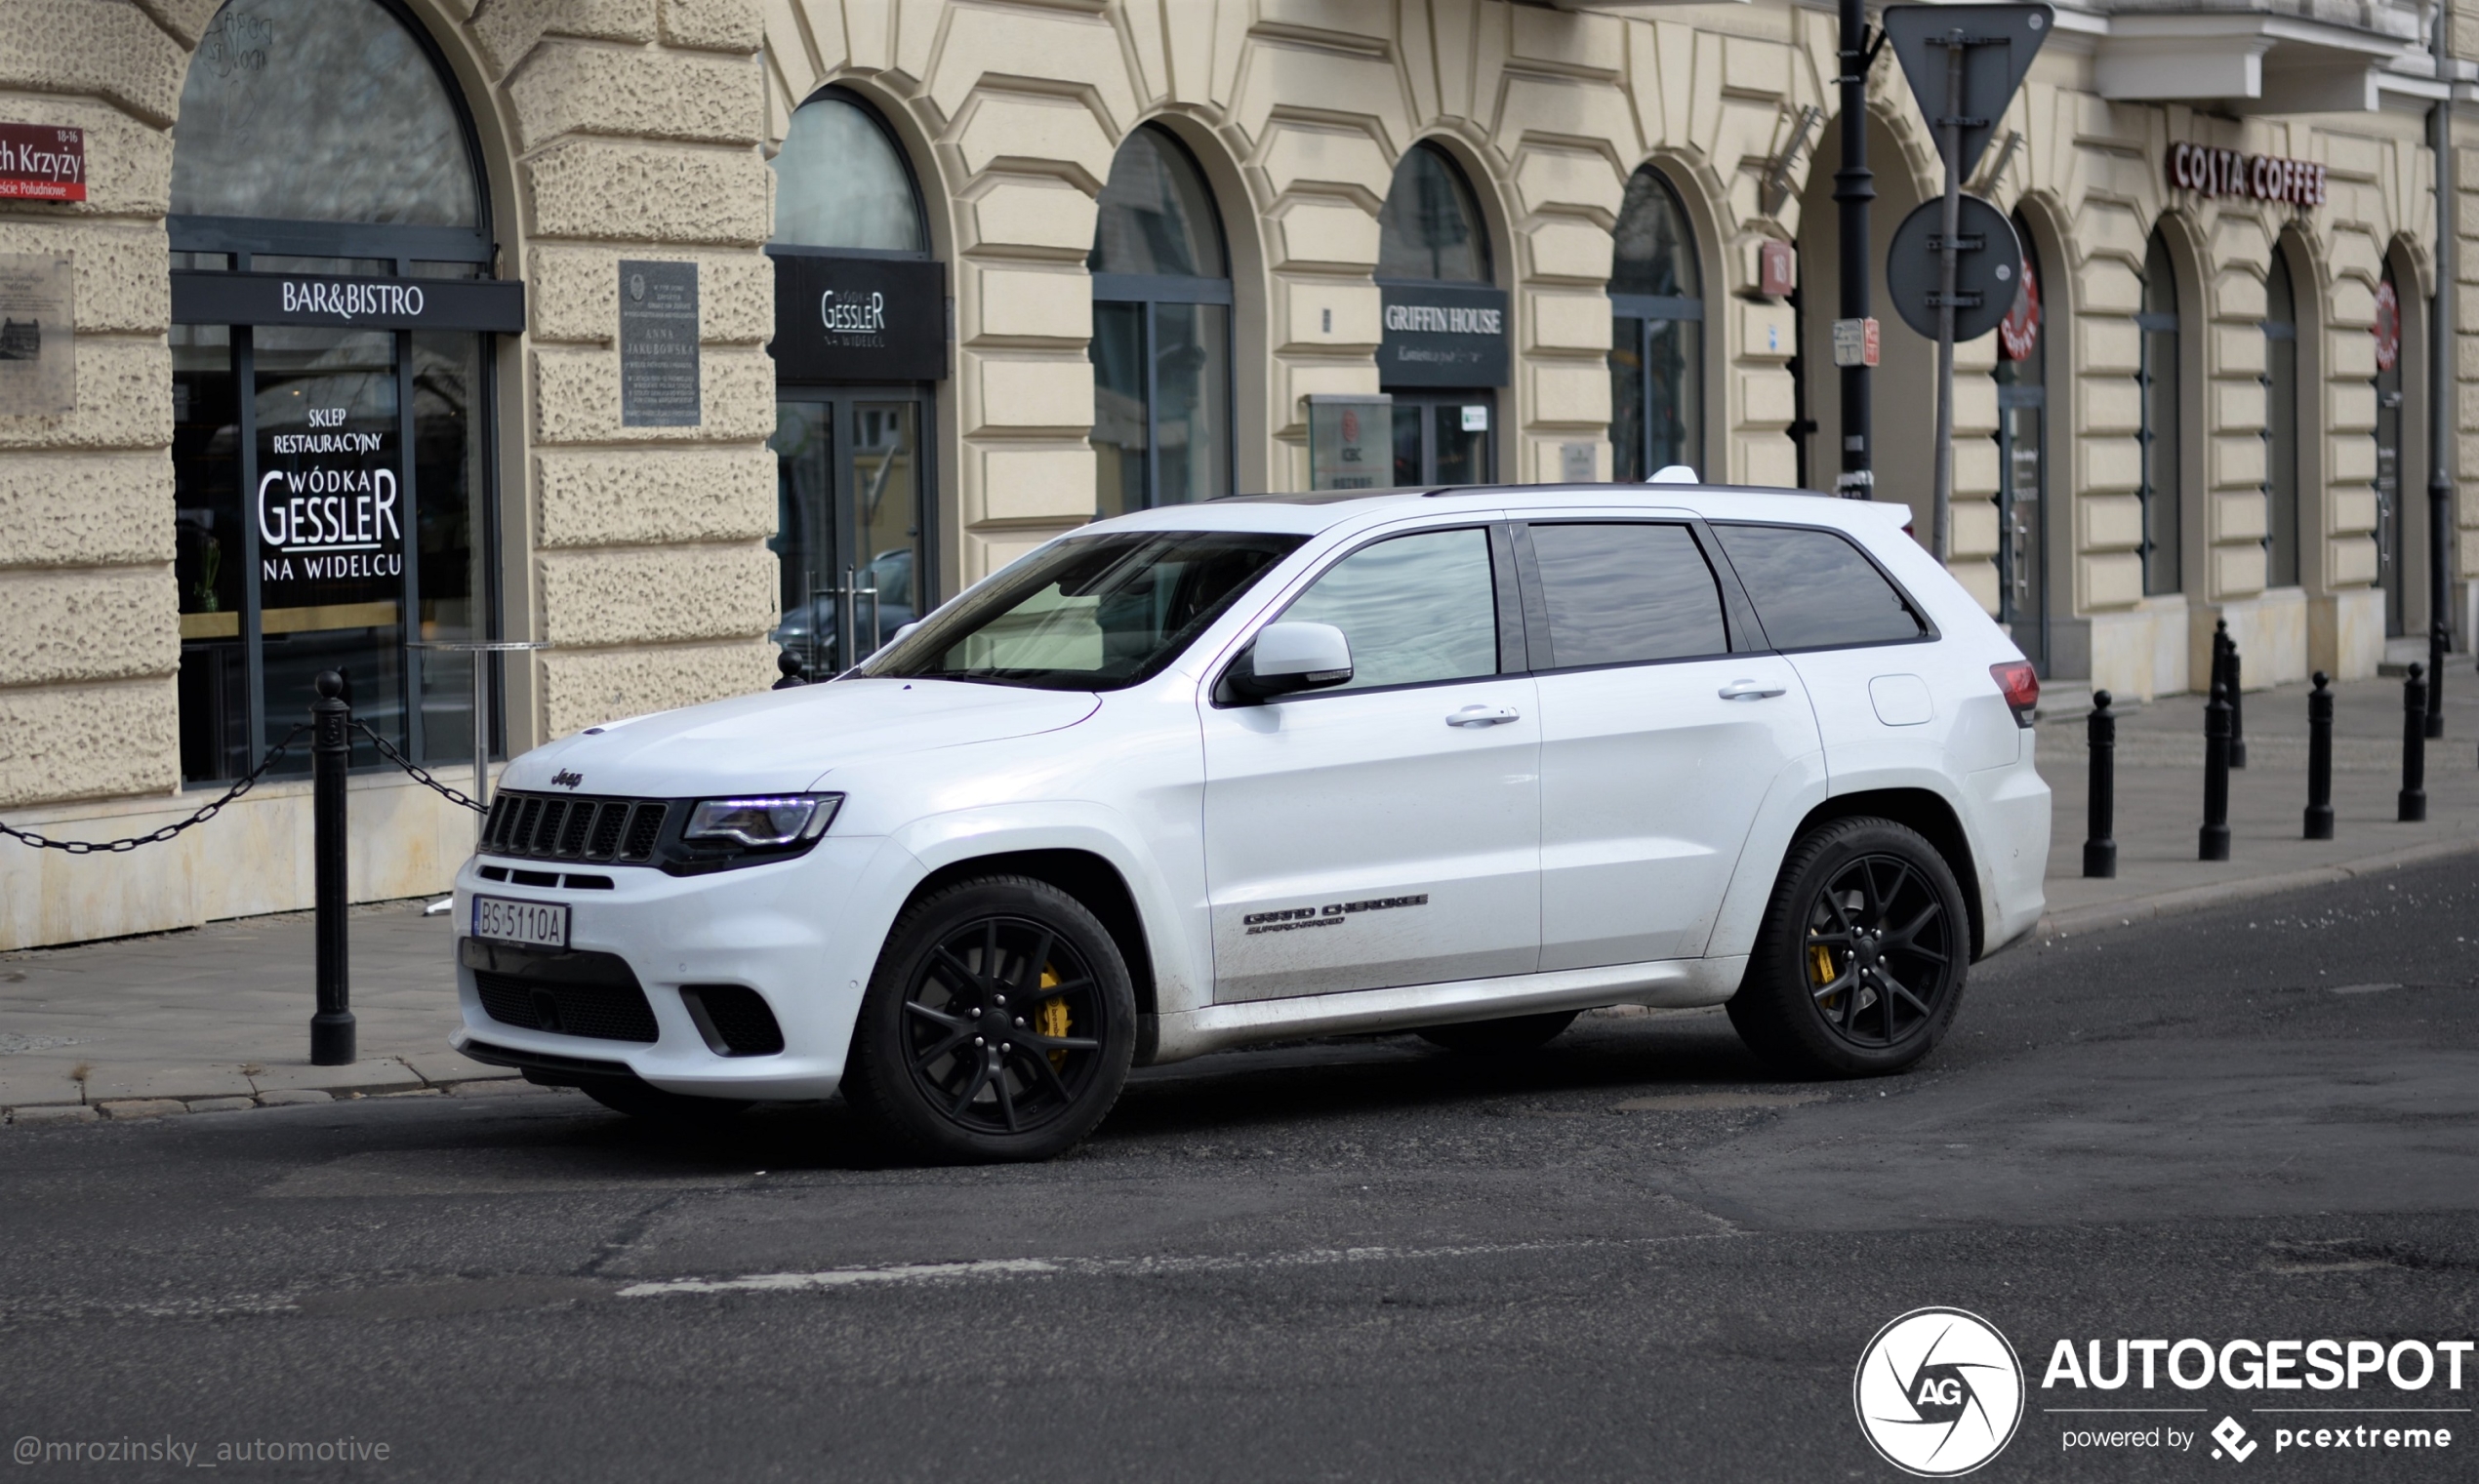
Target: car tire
639, 1100
1501, 1037
945, 1069
1859, 965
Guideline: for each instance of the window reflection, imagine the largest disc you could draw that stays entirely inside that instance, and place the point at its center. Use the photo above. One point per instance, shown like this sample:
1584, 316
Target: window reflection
1431, 224
319, 110
1162, 333
841, 183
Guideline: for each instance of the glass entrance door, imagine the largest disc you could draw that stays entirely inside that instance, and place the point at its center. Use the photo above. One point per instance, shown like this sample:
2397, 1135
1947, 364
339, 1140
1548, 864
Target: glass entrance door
2021, 562
2388, 499
852, 530
1443, 437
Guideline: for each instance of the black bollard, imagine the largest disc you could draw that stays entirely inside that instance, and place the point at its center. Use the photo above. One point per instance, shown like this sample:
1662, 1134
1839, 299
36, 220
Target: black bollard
2440, 642
2414, 800
2212, 841
2100, 845
331, 757
2320, 760
789, 664
2237, 710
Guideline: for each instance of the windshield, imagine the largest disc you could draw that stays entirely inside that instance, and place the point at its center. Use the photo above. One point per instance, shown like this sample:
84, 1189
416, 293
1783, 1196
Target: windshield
1087, 614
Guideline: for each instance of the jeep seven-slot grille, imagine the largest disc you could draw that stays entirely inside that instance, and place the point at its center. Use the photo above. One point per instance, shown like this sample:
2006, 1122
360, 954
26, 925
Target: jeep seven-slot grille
548, 826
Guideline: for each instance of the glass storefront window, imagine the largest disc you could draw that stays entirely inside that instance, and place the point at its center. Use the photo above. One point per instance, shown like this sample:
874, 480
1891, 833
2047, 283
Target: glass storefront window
1431, 224
2156, 380
1656, 355
332, 490
1162, 333
2281, 423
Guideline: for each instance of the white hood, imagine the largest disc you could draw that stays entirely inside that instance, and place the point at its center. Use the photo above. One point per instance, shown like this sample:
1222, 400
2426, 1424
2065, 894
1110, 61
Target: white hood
787, 739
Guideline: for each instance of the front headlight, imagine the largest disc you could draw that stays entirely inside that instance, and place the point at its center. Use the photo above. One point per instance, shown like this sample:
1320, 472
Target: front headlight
769, 822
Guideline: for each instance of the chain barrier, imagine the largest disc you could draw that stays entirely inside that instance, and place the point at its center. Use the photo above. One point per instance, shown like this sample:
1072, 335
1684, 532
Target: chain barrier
421, 774
157, 837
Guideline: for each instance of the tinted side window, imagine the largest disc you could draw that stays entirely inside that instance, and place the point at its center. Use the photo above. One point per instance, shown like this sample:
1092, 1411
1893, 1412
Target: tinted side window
1623, 593
1813, 589
1415, 608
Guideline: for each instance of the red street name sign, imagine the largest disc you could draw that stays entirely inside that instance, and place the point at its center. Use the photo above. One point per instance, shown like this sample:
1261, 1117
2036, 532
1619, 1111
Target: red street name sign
42, 162
2263, 177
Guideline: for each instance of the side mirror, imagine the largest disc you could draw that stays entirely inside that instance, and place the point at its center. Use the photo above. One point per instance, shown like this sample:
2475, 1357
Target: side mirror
1292, 657
897, 637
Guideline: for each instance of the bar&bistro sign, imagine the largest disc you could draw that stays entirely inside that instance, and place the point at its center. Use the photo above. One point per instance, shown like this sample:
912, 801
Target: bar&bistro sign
2261, 177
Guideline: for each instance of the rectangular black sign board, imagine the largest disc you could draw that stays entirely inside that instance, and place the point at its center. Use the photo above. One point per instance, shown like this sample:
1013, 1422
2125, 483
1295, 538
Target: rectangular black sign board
368, 303
1442, 334
859, 319
659, 381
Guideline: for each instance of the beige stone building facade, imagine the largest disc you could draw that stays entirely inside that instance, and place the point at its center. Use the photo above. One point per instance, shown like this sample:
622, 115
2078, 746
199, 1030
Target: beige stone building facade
690, 336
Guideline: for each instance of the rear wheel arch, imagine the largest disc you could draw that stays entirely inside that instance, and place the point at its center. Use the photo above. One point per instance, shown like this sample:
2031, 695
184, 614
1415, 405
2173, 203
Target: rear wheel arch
1092, 880
1929, 815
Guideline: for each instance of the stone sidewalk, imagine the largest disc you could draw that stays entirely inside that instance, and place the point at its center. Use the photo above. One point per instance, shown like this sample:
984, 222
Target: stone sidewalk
218, 1017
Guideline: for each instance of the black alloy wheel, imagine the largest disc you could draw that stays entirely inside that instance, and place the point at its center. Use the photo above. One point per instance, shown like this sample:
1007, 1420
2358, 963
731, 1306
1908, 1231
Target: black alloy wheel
999, 1026
1860, 966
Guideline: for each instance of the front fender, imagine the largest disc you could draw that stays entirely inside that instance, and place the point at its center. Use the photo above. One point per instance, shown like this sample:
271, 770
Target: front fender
1174, 933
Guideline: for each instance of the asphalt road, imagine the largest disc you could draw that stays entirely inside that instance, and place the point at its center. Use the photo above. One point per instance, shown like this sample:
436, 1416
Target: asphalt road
1629, 1256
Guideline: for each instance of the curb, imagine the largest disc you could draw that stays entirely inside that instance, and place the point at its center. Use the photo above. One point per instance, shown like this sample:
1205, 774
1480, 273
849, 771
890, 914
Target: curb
123, 1109
2197, 899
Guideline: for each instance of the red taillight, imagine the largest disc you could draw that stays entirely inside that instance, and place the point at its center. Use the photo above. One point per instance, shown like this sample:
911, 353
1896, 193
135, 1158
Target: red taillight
2022, 685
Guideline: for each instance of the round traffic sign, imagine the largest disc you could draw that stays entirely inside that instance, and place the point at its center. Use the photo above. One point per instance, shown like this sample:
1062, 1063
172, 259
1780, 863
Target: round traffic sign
2387, 326
1991, 270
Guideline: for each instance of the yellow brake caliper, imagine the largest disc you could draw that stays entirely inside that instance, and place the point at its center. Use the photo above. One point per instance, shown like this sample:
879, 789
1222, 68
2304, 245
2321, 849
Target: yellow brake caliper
1050, 1017
1820, 965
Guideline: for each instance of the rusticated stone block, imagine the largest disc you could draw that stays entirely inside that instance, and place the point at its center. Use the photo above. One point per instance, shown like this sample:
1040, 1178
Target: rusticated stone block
571, 293
112, 624
610, 190
1052, 485
186, 19
1033, 394
581, 88
653, 595
577, 399
79, 509
113, 51
121, 280
88, 742
579, 690
508, 29
714, 26
651, 498
1026, 305
124, 400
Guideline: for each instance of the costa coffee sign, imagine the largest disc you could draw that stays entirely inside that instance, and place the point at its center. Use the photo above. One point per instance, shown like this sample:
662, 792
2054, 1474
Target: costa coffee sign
2261, 177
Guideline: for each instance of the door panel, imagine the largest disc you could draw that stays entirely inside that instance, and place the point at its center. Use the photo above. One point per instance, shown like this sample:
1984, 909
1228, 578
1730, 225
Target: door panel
1387, 832
1656, 759
850, 472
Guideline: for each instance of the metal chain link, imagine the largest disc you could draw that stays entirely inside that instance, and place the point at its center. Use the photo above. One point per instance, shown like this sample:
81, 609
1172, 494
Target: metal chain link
421, 774
157, 837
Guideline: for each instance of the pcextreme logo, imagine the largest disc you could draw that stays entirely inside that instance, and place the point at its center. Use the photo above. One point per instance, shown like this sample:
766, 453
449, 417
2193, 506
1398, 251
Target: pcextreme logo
1938, 1392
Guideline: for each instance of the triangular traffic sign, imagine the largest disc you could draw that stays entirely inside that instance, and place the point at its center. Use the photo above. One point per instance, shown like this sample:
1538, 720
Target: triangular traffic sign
2000, 42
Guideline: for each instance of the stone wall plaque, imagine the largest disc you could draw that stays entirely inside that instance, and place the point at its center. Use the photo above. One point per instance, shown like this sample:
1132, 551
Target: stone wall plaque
659, 383
38, 341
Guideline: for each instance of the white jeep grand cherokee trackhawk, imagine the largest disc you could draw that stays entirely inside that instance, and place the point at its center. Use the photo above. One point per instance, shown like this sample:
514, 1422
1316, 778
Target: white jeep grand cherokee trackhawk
1465, 762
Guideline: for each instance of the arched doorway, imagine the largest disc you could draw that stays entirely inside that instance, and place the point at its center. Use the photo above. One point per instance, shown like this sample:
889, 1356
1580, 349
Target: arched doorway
860, 343
333, 312
1443, 355
1162, 331
2022, 453
1656, 357
2283, 412
2393, 565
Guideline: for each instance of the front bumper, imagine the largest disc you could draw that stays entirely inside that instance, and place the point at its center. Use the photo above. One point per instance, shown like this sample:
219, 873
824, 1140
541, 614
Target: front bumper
804, 934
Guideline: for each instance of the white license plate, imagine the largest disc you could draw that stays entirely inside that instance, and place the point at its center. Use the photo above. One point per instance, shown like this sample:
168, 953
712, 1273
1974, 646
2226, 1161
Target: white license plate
534, 924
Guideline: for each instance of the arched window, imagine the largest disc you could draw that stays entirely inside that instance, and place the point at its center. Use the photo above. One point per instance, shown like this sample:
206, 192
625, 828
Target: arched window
1445, 348
1162, 331
2022, 408
841, 183
2157, 380
2281, 423
1430, 227
1656, 339
322, 157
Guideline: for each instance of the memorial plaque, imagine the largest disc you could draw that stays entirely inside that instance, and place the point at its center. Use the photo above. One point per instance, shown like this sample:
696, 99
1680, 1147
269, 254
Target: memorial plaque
659, 384
38, 343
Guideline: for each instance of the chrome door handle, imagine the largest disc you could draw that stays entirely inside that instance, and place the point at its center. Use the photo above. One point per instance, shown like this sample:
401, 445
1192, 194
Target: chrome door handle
1749, 690
1477, 715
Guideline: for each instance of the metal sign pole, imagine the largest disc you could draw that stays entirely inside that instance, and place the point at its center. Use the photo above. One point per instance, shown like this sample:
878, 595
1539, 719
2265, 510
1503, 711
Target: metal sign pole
1854, 186
1950, 133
